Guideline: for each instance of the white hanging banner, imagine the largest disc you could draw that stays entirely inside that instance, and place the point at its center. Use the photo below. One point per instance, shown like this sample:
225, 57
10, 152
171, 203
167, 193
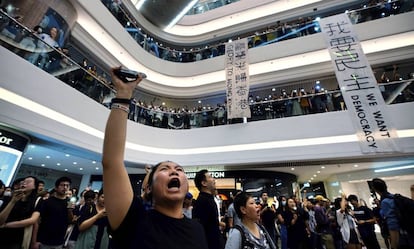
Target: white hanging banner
358, 86
237, 79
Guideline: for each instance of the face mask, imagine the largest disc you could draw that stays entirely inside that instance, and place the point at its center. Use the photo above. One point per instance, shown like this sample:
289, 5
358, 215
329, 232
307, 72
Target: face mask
283, 203
8, 193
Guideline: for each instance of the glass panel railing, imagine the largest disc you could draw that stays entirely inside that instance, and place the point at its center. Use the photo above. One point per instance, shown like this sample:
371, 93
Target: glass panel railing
293, 103
204, 6
288, 105
282, 31
38, 49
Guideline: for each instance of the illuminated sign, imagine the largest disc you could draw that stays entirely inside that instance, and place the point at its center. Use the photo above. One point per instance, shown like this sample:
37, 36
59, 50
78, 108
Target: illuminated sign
214, 174
12, 146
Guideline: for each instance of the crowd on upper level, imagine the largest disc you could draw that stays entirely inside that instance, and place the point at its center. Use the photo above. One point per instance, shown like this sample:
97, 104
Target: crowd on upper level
282, 30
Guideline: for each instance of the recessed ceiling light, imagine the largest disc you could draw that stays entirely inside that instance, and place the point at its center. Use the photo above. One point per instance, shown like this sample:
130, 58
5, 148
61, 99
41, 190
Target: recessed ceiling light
310, 181
75, 163
32, 146
97, 168
311, 178
314, 175
66, 169
80, 168
322, 167
318, 171
43, 165
356, 166
292, 168
58, 164
47, 157
67, 155
30, 158
93, 162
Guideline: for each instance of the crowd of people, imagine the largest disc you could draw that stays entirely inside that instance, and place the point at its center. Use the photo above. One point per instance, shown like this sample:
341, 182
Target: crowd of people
32, 217
282, 30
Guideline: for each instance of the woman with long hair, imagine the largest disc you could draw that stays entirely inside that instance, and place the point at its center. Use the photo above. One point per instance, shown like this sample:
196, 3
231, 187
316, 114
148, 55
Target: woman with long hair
249, 234
295, 221
281, 215
18, 214
93, 222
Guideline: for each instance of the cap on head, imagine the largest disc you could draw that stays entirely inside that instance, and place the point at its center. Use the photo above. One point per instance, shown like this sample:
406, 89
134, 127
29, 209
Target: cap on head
320, 198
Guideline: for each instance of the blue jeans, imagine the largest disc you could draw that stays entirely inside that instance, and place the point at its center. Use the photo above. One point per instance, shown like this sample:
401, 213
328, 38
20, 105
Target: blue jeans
283, 236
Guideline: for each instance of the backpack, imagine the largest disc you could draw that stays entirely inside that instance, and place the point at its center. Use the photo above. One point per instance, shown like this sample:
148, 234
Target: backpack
405, 212
246, 243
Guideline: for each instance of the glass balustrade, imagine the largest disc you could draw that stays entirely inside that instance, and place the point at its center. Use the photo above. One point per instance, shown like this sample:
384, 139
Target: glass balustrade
283, 30
28, 45
204, 6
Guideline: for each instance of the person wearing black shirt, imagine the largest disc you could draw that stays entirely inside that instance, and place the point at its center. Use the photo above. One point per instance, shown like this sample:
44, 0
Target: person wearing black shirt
205, 208
365, 220
163, 226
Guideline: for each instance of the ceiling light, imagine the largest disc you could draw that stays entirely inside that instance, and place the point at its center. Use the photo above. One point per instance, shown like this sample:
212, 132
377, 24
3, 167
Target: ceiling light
58, 164
318, 171
394, 168
66, 169
311, 178
80, 168
322, 167
292, 168
356, 166
314, 175
43, 165
32, 146
67, 155
93, 162
75, 163
97, 168
47, 157
30, 158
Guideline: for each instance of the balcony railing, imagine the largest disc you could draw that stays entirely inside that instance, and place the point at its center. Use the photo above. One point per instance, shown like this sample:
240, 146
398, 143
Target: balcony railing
28, 45
282, 31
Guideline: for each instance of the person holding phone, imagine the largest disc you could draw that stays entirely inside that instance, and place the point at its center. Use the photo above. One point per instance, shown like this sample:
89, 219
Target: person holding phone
347, 222
164, 225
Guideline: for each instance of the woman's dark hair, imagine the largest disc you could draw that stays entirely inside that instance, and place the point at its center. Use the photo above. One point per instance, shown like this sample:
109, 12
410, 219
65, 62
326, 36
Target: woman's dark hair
240, 201
150, 176
100, 192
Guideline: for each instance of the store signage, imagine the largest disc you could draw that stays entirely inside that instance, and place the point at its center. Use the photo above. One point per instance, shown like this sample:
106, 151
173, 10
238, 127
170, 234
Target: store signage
5, 140
358, 85
214, 174
12, 146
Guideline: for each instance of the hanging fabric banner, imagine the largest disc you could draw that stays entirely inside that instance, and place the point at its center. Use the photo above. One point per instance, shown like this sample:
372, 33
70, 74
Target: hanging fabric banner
358, 86
237, 79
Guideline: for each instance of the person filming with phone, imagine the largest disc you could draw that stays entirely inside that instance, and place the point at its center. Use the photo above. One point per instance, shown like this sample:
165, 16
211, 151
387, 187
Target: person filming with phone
162, 226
